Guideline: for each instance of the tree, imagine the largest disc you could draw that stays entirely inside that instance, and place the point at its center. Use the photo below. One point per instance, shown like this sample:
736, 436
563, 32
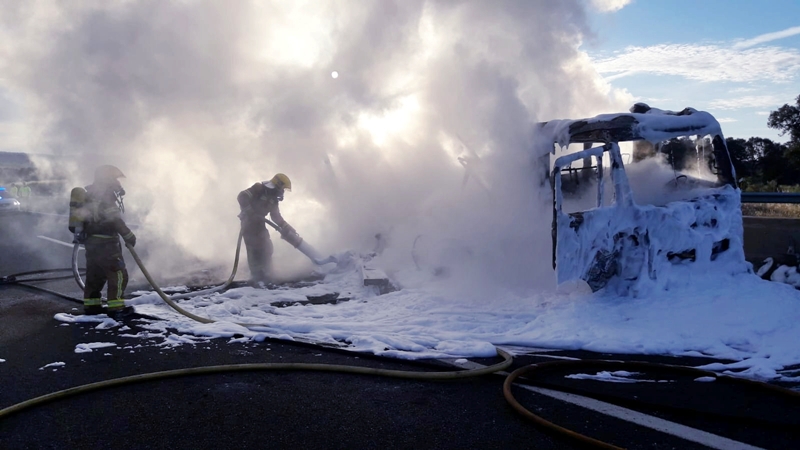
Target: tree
791, 152
744, 161
679, 152
773, 164
787, 120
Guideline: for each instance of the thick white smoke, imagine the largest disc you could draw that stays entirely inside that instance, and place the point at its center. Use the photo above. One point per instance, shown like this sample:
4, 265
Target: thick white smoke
197, 100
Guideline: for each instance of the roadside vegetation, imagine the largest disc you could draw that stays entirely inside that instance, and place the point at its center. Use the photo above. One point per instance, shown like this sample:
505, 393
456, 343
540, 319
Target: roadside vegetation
782, 210
762, 165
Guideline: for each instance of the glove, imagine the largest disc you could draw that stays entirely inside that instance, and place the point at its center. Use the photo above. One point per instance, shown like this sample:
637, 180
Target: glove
289, 235
130, 239
287, 230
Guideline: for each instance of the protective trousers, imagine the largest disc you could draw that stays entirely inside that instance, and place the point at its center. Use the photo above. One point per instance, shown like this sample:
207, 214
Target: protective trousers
104, 264
259, 248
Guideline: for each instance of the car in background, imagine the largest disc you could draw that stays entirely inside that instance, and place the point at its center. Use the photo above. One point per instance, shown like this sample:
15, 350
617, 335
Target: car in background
8, 204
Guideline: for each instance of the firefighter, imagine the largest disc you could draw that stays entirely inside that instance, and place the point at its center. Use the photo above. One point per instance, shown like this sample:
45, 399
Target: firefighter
24, 195
25, 190
256, 202
103, 228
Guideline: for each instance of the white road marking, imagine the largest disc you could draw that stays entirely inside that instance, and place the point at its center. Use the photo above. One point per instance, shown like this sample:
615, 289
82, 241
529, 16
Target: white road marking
675, 429
655, 423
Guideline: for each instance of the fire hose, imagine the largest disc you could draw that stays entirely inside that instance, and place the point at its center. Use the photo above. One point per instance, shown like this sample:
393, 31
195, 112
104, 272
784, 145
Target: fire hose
527, 370
24, 278
449, 375
301, 245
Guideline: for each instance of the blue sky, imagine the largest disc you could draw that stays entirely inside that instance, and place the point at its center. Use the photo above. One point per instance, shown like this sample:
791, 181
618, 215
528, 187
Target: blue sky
737, 59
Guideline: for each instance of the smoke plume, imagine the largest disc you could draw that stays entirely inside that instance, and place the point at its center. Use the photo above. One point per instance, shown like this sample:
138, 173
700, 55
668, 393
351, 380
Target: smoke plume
196, 100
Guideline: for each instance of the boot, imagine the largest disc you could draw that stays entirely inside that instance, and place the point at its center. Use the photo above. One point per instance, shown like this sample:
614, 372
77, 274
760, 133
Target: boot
119, 313
92, 310
92, 306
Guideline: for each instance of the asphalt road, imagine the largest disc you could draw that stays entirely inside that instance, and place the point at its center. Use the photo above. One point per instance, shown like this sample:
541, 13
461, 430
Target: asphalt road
313, 409
20, 248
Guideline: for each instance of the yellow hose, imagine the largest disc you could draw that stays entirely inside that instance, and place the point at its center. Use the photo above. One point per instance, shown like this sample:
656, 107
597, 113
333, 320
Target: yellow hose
531, 370
450, 375
507, 361
174, 305
455, 375
221, 287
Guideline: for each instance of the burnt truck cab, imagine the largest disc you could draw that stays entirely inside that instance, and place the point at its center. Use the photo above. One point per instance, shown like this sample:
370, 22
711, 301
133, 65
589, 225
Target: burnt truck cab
618, 243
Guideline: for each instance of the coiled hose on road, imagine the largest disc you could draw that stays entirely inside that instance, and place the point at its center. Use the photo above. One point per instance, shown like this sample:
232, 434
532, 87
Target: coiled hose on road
450, 375
527, 371
20, 279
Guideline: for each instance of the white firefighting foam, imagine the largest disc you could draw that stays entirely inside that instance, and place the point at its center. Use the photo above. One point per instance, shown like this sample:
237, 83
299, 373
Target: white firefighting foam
719, 310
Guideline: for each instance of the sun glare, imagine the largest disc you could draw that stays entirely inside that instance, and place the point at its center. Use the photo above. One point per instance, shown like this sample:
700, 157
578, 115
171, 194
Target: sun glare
393, 123
299, 38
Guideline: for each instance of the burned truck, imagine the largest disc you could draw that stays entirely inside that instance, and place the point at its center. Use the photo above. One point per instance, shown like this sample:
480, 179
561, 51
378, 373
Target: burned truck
633, 246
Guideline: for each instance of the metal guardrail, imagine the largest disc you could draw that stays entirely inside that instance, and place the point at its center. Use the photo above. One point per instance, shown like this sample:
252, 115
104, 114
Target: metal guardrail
771, 197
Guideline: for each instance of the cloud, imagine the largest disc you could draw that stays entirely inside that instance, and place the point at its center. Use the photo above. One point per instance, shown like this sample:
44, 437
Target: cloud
706, 62
768, 37
609, 5
752, 101
743, 89
726, 120
197, 100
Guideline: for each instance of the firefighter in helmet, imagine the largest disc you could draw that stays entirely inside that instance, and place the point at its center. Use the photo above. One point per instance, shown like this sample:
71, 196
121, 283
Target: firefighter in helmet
103, 228
256, 202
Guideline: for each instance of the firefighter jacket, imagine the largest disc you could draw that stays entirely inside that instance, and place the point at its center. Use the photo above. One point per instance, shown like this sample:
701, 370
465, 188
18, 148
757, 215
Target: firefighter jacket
258, 201
104, 222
